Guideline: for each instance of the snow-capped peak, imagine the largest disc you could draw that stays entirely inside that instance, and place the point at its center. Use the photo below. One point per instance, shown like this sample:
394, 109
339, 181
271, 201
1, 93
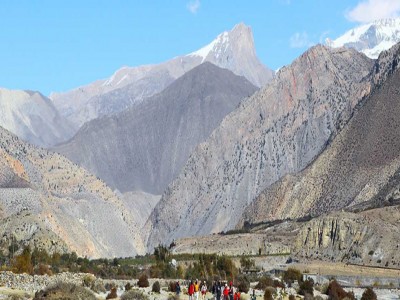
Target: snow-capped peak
222, 39
371, 38
118, 76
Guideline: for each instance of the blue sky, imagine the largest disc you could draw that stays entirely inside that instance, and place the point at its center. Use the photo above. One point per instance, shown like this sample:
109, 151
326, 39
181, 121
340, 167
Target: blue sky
50, 45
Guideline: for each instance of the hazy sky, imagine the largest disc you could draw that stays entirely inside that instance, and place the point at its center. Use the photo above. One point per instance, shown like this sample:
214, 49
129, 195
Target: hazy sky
58, 45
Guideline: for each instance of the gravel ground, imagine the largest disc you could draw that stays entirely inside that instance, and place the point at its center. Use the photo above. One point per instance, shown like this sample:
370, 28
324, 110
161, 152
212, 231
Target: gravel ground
382, 294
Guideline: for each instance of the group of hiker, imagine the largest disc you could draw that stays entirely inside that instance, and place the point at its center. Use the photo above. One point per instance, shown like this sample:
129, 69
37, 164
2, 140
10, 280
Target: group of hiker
220, 290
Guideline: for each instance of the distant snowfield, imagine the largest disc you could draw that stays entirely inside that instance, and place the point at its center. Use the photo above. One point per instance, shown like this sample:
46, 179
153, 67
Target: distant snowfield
371, 38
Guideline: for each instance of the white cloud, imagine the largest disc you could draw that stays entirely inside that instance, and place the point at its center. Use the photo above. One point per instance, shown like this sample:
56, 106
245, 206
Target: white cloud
300, 40
193, 6
370, 10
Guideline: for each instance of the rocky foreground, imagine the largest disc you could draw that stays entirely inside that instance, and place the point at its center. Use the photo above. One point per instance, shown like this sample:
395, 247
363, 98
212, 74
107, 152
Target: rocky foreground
27, 285
31, 284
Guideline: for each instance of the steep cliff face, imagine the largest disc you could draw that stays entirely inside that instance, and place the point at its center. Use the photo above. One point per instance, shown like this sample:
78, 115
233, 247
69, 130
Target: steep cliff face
48, 202
370, 237
145, 147
360, 167
279, 130
235, 50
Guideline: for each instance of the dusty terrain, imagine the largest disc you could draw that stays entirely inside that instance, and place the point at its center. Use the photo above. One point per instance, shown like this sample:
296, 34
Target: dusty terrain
328, 268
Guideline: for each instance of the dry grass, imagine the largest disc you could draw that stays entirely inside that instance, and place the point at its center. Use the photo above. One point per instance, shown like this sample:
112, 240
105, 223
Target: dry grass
327, 268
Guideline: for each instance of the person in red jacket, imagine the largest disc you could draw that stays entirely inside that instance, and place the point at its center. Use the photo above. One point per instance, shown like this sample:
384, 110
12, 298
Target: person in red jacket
236, 296
191, 290
226, 292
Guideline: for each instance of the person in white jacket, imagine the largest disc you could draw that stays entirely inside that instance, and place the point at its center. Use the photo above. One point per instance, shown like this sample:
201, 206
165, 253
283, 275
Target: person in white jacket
203, 290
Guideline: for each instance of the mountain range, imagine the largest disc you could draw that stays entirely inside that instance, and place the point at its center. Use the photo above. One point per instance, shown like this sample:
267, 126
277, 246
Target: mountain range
213, 141
371, 38
358, 169
233, 50
144, 147
344, 206
277, 131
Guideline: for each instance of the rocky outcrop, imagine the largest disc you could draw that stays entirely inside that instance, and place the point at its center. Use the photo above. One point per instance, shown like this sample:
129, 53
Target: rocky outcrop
33, 118
361, 166
233, 50
370, 237
277, 131
48, 202
145, 147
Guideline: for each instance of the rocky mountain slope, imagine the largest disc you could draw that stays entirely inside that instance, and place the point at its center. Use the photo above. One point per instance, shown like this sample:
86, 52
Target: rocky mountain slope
140, 205
277, 131
370, 39
33, 117
369, 237
48, 202
360, 168
145, 147
233, 50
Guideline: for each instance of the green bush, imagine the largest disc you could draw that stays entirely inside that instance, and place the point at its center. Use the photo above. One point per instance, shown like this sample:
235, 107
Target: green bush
98, 286
156, 287
264, 282
143, 281
291, 275
243, 283
162, 253
22, 263
134, 295
128, 287
246, 263
88, 280
307, 287
268, 294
